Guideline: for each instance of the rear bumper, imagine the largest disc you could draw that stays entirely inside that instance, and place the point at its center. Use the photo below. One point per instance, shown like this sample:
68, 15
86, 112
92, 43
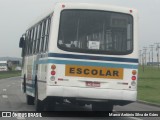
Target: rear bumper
91, 93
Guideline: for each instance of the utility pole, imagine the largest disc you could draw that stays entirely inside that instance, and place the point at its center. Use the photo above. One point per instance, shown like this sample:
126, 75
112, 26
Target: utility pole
144, 57
143, 61
140, 57
149, 61
151, 47
145, 52
157, 49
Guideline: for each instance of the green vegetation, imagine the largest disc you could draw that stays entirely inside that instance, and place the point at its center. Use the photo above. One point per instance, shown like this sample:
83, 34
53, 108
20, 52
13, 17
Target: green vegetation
7, 74
149, 84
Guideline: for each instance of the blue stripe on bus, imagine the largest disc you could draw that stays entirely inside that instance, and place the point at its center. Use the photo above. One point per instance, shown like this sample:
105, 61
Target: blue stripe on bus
88, 57
83, 63
30, 90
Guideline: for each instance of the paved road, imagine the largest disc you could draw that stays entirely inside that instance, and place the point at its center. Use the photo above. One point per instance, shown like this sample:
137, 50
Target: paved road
12, 99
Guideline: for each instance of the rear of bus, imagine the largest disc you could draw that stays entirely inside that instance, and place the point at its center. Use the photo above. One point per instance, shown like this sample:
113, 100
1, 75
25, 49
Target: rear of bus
95, 59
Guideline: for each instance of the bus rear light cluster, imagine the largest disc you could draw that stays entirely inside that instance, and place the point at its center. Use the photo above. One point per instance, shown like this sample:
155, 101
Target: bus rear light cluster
53, 72
134, 73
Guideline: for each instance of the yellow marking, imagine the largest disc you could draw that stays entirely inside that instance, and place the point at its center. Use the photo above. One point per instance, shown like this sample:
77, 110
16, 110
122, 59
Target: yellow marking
94, 72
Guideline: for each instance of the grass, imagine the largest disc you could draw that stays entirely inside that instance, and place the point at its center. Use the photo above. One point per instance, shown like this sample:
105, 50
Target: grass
149, 84
8, 74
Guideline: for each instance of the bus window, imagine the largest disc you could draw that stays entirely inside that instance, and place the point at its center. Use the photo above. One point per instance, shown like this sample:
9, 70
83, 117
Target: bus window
31, 41
39, 37
43, 36
96, 32
47, 33
34, 40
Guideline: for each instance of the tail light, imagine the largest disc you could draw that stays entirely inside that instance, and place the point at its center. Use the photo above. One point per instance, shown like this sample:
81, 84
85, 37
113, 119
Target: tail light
53, 67
134, 73
53, 72
52, 78
133, 77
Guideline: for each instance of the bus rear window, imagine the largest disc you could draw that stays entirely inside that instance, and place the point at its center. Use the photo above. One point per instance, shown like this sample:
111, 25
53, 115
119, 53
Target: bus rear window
98, 32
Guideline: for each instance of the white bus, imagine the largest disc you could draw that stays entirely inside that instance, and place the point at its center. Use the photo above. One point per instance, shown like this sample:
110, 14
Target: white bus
82, 53
3, 66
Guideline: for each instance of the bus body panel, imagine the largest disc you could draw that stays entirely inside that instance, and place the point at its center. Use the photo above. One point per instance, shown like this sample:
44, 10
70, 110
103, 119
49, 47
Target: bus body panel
76, 85
80, 82
91, 93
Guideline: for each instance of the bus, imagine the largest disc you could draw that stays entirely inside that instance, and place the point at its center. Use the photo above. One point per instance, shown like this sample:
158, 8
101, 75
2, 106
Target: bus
3, 66
85, 54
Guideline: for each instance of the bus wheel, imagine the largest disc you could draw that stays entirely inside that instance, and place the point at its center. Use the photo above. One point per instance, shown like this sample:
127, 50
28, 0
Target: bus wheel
30, 100
50, 104
102, 107
37, 102
24, 84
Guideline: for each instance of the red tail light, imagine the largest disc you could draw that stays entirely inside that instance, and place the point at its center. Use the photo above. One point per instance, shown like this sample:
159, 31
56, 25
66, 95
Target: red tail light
134, 78
53, 72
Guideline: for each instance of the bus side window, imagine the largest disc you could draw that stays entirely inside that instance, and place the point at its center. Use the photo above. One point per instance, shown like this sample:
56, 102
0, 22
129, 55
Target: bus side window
39, 38
26, 41
47, 33
34, 40
29, 42
44, 35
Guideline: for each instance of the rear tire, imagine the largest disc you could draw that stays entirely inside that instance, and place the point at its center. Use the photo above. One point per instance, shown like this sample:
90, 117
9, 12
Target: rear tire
30, 100
24, 84
102, 107
49, 104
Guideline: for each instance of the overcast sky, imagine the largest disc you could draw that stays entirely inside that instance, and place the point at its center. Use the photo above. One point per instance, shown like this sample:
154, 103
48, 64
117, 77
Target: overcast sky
16, 15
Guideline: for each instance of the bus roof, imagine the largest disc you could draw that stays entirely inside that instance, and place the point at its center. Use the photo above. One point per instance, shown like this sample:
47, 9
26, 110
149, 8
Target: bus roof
83, 5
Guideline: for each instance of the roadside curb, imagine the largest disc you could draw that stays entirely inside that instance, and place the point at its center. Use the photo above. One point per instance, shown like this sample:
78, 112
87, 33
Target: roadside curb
148, 103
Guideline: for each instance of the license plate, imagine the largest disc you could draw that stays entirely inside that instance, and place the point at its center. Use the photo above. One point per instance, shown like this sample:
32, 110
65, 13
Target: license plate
92, 84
